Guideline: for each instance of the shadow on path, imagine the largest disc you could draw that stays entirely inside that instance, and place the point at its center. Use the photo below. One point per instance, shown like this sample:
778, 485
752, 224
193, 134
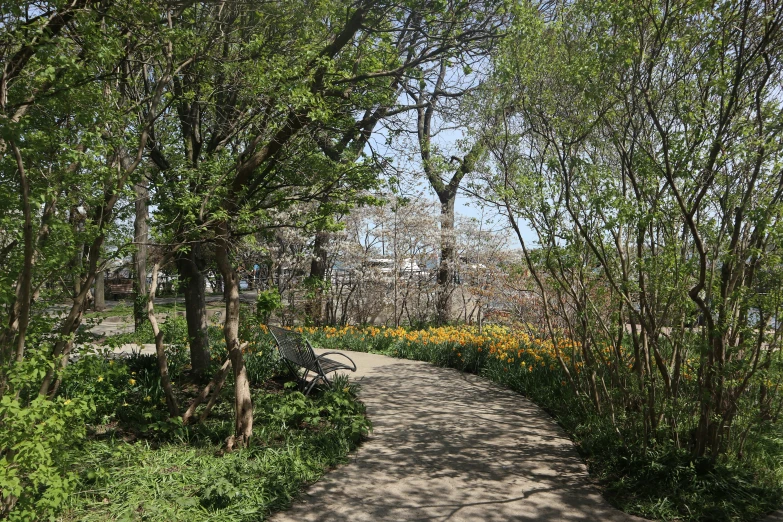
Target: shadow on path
448, 446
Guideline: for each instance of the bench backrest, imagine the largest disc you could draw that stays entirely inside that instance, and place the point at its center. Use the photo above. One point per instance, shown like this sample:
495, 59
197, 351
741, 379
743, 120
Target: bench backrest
294, 347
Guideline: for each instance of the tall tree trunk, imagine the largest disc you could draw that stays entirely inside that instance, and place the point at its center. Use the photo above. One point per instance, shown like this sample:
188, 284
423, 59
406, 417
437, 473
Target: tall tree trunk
190, 266
445, 188
100, 299
24, 285
140, 236
447, 265
243, 405
314, 308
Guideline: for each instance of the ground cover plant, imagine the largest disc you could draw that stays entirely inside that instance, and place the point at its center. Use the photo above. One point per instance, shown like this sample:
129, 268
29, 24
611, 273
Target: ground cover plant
178, 473
124, 310
654, 479
107, 448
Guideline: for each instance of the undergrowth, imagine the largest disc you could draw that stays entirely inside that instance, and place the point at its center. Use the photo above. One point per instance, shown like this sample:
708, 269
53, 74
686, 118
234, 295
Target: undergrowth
189, 477
137, 463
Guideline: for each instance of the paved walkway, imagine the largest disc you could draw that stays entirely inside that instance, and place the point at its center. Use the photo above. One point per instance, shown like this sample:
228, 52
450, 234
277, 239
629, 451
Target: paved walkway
448, 446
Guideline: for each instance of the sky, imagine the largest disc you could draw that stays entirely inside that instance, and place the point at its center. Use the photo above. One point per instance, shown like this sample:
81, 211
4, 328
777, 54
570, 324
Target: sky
406, 166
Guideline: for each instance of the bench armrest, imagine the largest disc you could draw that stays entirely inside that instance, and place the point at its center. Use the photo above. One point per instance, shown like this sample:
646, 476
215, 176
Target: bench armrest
338, 353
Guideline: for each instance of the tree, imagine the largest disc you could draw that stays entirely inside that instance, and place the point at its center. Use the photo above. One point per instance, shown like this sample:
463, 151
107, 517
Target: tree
640, 145
288, 133
72, 132
71, 144
436, 90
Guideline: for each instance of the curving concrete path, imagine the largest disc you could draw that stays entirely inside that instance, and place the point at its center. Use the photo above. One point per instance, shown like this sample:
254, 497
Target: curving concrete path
449, 446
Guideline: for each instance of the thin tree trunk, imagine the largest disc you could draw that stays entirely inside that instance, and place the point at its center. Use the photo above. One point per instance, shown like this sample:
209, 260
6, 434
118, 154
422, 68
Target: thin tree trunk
243, 405
24, 288
217, 382
314, 308
163, 368
140, 238
100, 298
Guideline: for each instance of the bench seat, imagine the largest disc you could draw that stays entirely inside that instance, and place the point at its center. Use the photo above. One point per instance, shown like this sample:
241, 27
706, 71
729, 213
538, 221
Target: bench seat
297, 352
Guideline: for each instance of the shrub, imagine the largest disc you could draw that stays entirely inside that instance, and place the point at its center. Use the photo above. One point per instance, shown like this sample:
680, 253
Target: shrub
267, 302
105, 382
296, 439
35, 438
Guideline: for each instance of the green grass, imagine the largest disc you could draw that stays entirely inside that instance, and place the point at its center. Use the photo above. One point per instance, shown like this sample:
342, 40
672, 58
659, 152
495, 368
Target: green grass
138, 464
121, 309
125, 309
174, 330
180, 482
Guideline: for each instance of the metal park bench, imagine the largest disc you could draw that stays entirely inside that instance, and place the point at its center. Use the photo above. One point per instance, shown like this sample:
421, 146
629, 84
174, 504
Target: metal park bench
296, 351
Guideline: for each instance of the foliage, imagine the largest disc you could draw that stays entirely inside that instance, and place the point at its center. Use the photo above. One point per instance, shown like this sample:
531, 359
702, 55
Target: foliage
641, 146
35, 438
300, 437
105, 382
639, 143
174, 328
267, 302
98, 99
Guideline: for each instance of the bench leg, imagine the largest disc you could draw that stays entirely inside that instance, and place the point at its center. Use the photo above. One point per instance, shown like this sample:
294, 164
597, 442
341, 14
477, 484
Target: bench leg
301, 381
303, 384
315, 381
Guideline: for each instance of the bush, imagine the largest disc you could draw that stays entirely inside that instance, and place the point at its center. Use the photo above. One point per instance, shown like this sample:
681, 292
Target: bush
267, 302
105, 382
36, 436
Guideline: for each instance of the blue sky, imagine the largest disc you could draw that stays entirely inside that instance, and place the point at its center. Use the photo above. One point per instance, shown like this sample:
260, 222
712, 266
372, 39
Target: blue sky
406, 166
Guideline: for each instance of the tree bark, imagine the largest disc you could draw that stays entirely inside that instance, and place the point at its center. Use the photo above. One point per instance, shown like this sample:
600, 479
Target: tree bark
24, 286
140, 237
77, 225
243, 405
215, 385
163, 367
447, 260
100, 298
314, 308
190, 266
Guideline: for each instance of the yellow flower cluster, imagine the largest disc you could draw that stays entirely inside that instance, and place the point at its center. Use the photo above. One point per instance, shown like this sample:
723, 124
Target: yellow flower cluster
506, 344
